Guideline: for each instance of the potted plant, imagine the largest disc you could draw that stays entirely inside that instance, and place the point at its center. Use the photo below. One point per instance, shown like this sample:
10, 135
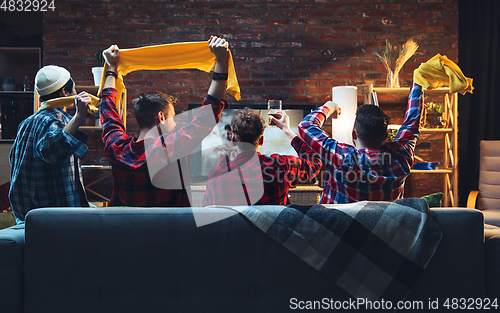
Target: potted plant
433, 115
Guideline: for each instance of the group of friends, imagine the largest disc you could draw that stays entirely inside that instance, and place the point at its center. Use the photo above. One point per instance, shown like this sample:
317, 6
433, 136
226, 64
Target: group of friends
46, 154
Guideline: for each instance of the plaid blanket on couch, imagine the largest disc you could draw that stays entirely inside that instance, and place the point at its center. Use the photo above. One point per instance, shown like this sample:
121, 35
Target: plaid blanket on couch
372, 250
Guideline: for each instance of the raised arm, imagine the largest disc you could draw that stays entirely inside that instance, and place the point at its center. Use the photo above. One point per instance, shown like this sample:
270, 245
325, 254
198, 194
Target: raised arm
307, 165
284, 124
112, 56
113, 134
220, 48
56, 144
81, 101
317, 139
406, 137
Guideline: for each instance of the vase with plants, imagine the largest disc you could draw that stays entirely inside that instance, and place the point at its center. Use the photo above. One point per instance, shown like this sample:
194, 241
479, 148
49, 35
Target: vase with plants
393, 58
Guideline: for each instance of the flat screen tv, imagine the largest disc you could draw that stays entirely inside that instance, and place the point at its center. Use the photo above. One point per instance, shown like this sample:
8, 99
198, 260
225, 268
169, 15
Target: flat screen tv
205, 158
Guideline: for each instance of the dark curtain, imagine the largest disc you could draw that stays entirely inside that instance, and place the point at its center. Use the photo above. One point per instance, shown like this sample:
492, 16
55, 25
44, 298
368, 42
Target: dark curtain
479, 113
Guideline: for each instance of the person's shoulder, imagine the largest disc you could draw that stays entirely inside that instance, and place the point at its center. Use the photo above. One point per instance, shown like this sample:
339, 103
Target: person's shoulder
392, 150
42, 117
49, 114
219, 170
275, 158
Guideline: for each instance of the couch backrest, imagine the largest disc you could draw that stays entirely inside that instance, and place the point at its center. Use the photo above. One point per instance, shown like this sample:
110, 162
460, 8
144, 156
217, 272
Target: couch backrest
157, 260
489, 175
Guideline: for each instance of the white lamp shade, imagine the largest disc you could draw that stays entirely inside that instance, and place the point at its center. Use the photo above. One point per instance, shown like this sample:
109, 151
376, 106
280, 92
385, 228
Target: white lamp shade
347, 98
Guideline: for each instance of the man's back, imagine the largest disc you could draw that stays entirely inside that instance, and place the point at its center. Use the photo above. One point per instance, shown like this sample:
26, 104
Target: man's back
44, 169
133, 184
253, 178
365, 174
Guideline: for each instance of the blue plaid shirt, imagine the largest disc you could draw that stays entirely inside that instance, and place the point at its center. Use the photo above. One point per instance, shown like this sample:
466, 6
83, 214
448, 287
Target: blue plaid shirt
45, 164
365, 174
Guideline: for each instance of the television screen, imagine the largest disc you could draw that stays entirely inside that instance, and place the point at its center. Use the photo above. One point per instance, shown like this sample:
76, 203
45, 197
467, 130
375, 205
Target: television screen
207, 156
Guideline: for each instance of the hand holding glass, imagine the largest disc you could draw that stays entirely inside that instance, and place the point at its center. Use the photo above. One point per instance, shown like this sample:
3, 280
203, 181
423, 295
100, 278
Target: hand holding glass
273, 109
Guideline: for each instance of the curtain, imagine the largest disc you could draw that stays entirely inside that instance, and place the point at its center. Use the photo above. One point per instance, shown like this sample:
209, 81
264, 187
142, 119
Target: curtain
479, 113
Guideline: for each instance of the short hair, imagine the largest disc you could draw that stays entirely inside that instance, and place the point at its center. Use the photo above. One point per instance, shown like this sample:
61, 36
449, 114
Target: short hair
147, 106
247, 126
371, 124
227, 127
68, 87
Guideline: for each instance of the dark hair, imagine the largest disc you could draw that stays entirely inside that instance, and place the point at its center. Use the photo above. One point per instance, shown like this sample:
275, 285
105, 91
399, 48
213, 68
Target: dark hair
147, 106
371, 125
68, 87
227, 127
248, 126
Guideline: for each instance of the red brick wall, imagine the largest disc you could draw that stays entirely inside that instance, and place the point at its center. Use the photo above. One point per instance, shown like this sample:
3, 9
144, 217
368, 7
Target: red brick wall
290, 49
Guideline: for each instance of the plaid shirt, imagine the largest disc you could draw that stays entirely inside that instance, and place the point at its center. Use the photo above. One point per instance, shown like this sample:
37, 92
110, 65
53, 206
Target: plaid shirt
365, 174
267, 178
132, 184
45, 164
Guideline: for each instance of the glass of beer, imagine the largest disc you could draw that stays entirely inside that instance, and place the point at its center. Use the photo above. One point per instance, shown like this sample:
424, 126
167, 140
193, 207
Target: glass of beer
273, 109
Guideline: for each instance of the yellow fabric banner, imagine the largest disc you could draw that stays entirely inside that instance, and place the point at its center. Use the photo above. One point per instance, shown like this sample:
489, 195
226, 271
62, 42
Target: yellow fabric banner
184, 55
440, 71
66, 101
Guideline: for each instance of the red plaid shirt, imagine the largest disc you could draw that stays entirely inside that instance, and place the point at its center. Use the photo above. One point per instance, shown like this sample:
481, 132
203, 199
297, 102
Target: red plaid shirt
132, 184
253, 178
365, 174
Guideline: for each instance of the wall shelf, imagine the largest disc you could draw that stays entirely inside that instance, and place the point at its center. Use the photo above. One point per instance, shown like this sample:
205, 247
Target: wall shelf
17, 104
437, 171
406, 90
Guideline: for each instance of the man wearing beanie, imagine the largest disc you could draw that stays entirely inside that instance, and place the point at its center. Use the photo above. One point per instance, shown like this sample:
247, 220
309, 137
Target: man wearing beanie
45, 156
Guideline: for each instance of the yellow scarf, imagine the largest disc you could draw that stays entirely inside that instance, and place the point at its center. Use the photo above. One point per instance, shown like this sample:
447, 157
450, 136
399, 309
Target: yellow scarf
66, 101
439, 71
185, 55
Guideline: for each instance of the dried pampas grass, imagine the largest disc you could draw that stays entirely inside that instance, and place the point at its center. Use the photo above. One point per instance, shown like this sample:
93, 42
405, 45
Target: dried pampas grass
394, 58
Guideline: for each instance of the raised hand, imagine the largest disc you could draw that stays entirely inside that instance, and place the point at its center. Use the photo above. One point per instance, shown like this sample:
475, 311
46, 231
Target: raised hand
284, 124
334, 108
81, 101
112, 56
219, 47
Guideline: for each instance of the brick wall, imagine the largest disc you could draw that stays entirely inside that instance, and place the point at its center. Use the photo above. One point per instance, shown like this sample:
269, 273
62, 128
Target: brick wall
290, 49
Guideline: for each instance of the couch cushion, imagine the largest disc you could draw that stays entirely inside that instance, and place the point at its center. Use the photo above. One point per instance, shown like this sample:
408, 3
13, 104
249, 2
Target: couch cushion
492, 217
7, 219
459, 259
11, 269
492, 246
434, 200
489, 175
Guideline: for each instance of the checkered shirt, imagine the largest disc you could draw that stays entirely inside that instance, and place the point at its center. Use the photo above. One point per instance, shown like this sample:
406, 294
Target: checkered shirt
45, 164
365, 174
269, 176
132, 184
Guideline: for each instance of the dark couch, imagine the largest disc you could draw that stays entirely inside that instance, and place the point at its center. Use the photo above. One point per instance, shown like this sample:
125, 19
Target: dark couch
157, 260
